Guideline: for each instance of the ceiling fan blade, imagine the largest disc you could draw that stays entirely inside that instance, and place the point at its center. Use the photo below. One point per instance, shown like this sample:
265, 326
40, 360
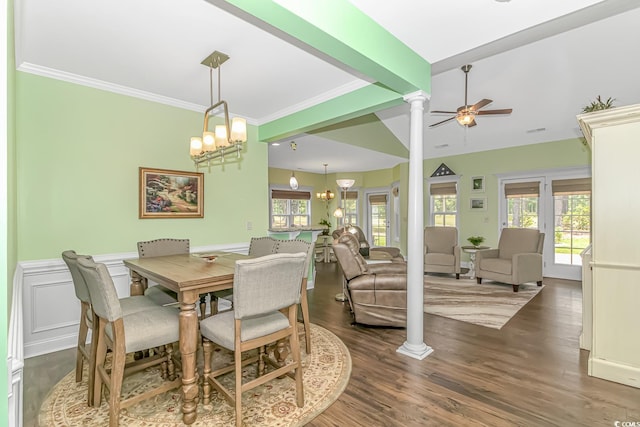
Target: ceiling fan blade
503, 111
444, 121
478, 105
472, 124
443, 112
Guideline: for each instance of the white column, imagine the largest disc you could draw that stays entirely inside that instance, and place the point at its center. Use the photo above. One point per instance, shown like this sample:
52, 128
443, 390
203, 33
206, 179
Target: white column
414, 346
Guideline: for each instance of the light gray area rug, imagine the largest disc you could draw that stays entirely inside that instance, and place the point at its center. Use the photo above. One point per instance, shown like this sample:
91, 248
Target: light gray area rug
490, 304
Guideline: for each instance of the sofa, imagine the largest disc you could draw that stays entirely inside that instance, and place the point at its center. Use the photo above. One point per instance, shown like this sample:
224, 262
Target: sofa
377, 293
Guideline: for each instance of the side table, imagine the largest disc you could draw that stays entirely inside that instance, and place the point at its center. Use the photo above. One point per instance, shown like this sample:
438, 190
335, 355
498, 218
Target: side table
471, 250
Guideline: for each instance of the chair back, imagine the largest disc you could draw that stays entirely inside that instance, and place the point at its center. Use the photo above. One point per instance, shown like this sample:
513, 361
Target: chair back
71, 259
296, 246
261, 246
520, 240
440, 240
267, 284
347, 251
163, 247
104, 298
356, 231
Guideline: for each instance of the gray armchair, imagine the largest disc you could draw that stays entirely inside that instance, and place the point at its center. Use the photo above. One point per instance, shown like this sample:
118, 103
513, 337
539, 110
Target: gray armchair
517, 260
377, 293
441, 250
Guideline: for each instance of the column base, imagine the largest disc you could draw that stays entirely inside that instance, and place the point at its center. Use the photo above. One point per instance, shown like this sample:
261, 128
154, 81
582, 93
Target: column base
416, 351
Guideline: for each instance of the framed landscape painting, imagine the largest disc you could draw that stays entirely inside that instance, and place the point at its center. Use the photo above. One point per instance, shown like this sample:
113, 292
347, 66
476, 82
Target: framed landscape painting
170, 194
478, 203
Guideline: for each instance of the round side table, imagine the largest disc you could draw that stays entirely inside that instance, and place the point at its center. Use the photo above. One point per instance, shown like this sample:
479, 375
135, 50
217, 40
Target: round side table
471, 250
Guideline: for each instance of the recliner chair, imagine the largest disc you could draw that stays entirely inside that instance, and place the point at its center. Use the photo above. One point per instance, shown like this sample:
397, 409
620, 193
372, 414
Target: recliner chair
441, 250
364, 245
517, 260
377, 293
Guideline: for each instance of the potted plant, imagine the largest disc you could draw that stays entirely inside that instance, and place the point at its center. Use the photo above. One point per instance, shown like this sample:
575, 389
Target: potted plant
598, 105
327, 225
476, 240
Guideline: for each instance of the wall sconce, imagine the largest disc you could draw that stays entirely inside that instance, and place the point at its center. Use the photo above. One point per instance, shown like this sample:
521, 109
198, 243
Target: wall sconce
224, 139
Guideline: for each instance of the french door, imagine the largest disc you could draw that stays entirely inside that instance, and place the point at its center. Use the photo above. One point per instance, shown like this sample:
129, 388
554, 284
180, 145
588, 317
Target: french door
378, 218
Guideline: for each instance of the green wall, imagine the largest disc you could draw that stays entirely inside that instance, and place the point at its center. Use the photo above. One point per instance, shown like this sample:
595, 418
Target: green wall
77, 172
534, 157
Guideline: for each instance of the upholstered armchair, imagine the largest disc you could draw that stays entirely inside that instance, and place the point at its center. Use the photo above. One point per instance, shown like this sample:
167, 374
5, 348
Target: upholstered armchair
377, 293
441, 250
364, 245
517, 260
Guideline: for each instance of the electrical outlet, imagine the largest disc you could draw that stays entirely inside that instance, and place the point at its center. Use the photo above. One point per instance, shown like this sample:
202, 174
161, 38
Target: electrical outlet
249, 225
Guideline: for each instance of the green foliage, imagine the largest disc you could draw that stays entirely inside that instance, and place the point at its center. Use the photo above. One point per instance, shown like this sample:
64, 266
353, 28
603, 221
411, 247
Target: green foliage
476, 240
598, 105
325, 222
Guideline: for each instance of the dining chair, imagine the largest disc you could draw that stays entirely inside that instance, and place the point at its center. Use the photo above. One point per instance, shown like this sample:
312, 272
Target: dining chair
295, 246
162, 295
129, 305
261, 246
264, 289
126, 333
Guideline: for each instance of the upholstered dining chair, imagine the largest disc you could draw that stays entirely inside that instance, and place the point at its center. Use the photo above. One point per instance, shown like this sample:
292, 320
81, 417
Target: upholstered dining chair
162, 295
295, 246
261, 246
264, 289
126, 333
517, 260
441, 250
128, 304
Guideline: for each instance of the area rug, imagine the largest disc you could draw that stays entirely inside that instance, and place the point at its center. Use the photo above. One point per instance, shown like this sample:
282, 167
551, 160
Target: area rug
326, 372
490, 304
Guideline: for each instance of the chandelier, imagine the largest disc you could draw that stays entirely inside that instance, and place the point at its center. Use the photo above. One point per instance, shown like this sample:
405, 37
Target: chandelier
224, 140
327, 195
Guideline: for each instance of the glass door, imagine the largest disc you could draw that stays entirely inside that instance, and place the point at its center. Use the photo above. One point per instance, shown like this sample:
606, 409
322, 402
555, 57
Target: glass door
378, 218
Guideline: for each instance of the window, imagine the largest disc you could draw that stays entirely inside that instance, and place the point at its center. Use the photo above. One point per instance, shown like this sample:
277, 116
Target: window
444, 204
290, 208
351, 208
522, 204
571, 219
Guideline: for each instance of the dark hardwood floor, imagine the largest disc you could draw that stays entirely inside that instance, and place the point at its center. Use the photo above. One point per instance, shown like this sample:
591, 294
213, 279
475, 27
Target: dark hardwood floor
529, 373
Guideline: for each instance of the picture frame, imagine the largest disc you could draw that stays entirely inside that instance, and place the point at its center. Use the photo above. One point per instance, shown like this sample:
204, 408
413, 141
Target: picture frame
478, 203
164, 193
477, 184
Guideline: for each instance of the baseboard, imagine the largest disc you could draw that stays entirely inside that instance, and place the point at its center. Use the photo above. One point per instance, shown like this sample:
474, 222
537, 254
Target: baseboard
612, 371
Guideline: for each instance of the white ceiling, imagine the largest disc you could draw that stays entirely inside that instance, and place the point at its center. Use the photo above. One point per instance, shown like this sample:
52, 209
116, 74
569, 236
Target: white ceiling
546, 59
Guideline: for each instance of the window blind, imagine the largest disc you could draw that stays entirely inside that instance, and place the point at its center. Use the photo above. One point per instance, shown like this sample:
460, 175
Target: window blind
522, 189
291, 195
571, 186
378, 199
442, 188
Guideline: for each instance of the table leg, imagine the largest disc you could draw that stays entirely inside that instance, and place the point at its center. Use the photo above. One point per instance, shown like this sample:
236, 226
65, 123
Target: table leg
472, 265
188, 348
136, 287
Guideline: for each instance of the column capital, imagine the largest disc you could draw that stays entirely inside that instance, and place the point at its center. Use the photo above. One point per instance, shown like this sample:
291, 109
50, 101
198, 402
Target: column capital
419, 95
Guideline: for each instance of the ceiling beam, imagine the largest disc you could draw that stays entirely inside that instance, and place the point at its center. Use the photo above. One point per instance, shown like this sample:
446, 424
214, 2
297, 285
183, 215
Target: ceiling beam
339, 33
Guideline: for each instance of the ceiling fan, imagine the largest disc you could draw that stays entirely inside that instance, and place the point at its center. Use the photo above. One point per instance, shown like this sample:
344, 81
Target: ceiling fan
466, 114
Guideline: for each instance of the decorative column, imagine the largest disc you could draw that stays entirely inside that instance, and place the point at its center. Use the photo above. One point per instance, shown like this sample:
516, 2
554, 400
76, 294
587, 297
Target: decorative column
414, 346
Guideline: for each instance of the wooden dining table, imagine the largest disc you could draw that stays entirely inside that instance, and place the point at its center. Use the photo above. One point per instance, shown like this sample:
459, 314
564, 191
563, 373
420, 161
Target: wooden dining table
189, 275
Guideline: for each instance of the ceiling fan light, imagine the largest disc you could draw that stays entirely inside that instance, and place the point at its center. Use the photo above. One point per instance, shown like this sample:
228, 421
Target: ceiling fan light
465, 119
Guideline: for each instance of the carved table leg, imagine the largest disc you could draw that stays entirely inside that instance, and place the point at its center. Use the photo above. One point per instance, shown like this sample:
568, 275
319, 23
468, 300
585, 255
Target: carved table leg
136, 287
188, 347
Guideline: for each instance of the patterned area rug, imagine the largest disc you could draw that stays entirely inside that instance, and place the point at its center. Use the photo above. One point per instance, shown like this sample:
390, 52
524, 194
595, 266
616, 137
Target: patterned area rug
326, 372
490, 304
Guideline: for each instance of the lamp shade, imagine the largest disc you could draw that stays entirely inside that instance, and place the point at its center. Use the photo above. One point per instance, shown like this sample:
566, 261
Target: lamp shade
208, 141
221, 136
345, 183
338, 213
196, 146
238, 130
293, 182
